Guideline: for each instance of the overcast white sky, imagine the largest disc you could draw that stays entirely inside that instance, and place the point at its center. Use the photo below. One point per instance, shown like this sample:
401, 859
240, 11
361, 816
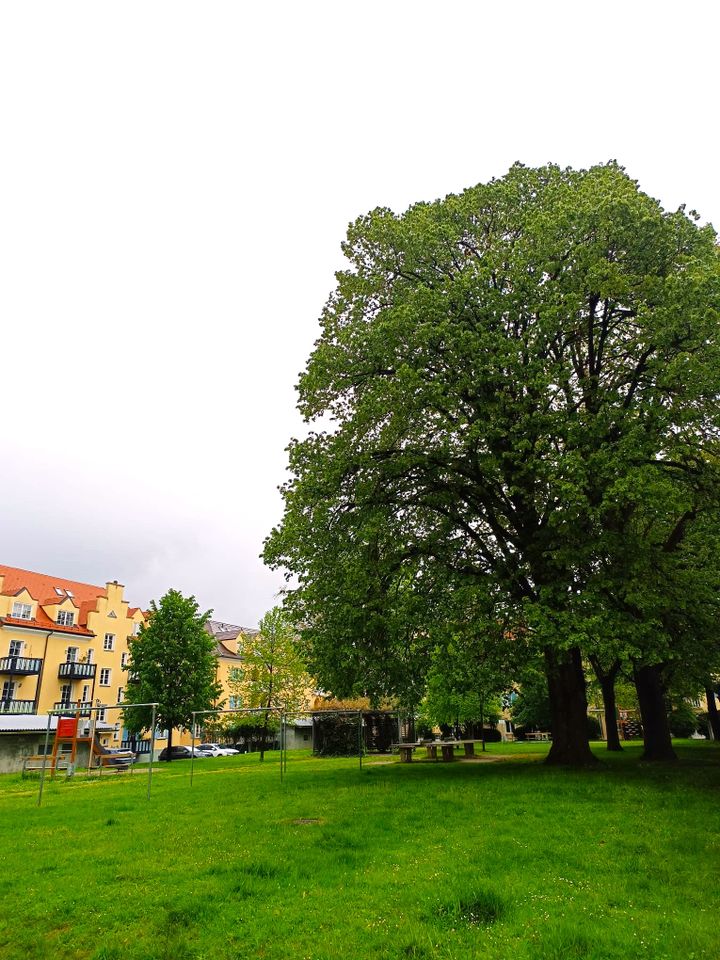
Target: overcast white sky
176, 181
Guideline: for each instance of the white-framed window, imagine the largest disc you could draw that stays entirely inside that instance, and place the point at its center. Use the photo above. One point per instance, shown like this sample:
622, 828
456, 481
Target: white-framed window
66, 618
16, 647
109, 641
72, 654
105, 677
121, 694
136, 629
65, 692
123, 661
161, 734
86, 692
90, 655
101, 714
8, 690
21, 611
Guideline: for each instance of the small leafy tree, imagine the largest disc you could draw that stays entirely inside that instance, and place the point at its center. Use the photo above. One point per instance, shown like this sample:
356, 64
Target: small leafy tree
683, 720
273, 675
173, 662
531, 709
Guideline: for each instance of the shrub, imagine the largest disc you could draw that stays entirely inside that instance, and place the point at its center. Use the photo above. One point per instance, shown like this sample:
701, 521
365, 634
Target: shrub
683, 721
335, 735
490, 735
594, 728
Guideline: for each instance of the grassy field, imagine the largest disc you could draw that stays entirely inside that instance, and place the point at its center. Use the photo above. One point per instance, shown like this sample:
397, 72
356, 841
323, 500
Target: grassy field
505, 859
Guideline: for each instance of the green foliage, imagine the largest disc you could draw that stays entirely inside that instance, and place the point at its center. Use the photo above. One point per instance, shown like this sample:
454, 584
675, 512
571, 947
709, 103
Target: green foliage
515, 401
273, 674
172, 661
683, 720
531, 709
443, 704
335, 735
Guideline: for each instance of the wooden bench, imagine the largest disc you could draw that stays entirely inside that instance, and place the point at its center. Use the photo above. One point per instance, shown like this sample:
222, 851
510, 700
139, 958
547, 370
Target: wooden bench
35, 763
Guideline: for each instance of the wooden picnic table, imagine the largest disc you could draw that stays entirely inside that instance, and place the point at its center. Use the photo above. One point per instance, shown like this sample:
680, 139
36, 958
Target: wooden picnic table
447, 748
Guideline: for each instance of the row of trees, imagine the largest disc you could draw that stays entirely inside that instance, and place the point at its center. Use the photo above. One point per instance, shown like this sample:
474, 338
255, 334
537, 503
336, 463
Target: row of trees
513, 451
173, 662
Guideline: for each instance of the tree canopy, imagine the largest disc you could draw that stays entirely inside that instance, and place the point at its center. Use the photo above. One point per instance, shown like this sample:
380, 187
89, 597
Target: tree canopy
515, 400
273, 675
172, 662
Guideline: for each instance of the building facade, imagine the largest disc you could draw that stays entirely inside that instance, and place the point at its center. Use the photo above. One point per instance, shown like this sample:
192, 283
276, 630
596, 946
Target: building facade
63, 645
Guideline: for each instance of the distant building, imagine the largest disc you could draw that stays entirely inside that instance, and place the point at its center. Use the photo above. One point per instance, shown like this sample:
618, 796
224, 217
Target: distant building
228, 646
63, 645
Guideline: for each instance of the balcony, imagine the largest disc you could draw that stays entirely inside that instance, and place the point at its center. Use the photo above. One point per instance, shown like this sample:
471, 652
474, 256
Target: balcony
17, 706
20, 666
137, 746
73, 707
74, 670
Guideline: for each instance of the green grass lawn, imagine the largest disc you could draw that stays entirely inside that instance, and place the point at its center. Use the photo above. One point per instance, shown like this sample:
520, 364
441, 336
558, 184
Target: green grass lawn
500, 860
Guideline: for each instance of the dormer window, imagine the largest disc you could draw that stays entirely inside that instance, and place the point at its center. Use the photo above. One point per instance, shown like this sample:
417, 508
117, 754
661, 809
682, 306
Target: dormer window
65, 618
22, 611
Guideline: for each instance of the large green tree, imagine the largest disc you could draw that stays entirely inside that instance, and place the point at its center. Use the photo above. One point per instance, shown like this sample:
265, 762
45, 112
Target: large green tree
498, 375
172, 662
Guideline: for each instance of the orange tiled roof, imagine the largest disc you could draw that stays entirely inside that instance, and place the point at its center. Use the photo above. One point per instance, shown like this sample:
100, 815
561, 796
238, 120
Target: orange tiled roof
43, 585
43, 622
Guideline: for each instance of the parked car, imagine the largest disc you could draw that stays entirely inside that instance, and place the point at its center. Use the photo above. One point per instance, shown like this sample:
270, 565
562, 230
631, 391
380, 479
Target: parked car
181, 753
217, 750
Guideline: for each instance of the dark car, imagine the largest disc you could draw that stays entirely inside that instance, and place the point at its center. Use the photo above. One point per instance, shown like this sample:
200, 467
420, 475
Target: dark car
179, 753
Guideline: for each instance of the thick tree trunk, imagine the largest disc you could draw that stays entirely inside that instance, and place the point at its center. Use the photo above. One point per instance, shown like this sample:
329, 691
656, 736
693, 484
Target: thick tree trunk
656, 728
568, 708
607, 685
713, 715
169, 745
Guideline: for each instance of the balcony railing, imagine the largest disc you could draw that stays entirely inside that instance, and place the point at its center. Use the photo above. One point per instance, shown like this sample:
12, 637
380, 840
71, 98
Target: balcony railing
20, 666
137, 746
17, 706
74, 670
74, 706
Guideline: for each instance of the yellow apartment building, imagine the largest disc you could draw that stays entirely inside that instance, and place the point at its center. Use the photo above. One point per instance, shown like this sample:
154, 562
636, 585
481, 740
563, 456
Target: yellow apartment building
228, 650
63, 644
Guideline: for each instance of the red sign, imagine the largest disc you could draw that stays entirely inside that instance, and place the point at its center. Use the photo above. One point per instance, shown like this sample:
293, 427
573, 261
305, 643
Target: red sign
66, 727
